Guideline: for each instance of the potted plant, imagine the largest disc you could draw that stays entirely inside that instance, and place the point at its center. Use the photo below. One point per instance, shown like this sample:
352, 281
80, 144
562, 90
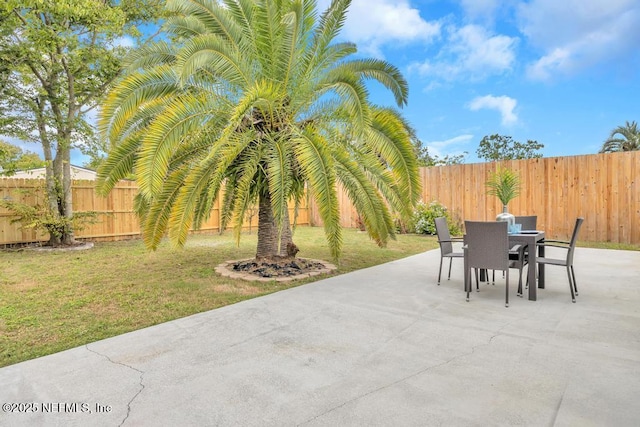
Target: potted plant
505, 185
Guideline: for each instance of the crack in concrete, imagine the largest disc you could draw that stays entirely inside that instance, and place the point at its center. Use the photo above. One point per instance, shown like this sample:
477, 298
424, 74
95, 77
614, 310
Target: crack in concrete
141, 383
558, 406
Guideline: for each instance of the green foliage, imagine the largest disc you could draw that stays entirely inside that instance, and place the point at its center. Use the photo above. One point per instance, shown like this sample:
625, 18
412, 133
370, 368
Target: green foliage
13, 159
39, 217
257, 96
498, 147
504, 184
449, 159
623, 138
424, 215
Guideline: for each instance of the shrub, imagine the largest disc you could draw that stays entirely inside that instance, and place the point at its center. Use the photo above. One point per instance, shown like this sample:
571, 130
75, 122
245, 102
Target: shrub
38, 216
424, 215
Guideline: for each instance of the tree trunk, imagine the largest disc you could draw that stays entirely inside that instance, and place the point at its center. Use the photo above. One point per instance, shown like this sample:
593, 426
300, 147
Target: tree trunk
66, 200
58, 185
268, 231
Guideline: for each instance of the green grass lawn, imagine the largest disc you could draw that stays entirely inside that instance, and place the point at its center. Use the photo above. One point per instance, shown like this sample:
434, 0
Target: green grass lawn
52, 301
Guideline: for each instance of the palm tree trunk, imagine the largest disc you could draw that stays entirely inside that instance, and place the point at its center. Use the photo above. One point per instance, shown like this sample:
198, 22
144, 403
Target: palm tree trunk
268, 231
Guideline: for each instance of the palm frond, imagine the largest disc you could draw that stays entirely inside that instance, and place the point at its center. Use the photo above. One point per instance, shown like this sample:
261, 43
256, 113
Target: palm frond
212, 53
118, 165
352, 95
245, 194
504, 184
318, 167
331, 22
182, 117
382, 72
149, 56
158, 209
389, 138
184, 27
367, 201
213, 16
131, 96
209, 173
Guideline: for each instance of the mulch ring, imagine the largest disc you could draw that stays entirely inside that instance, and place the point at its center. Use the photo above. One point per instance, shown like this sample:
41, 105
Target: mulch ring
278, 269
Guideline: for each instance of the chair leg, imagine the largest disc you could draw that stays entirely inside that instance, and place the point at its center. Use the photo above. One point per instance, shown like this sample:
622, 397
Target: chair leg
493, 279
467, 274
526, 286
575, 285
450, 262
520, 283
506, 293
477, 280
440, 271
573, 296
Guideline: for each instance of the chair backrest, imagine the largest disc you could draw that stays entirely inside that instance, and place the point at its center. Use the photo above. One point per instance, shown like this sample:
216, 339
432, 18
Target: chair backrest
442, 229
487, 244
529, 222
574, 240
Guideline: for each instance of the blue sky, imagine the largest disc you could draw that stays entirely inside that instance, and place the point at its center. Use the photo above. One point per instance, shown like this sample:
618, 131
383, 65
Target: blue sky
561, 72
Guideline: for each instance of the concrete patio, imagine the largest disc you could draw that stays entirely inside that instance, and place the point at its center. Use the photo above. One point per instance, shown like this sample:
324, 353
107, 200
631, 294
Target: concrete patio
384, 346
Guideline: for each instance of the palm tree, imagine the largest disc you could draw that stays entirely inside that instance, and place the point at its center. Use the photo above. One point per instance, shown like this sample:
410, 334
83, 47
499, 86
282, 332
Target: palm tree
256, 98
628, 139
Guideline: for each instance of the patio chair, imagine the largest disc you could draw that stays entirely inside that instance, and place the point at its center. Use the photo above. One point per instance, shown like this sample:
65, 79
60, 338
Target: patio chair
446, 245
487, 247
529, 222
567, 261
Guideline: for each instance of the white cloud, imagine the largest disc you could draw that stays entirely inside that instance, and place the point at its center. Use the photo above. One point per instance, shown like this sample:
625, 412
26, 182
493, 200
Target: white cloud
125, 41
542, 69
576, 34
374, 23
471, 52
481, 9
504, 104
450, 146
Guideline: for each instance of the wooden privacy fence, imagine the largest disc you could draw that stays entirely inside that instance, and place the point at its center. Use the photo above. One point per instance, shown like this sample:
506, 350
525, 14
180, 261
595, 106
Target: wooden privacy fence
116, 220
602, 188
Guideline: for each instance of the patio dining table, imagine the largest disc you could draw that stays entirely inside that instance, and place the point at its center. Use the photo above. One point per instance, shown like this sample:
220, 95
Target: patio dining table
529, 238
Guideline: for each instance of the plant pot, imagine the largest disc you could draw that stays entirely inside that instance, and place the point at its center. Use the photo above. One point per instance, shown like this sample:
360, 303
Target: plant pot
505, 216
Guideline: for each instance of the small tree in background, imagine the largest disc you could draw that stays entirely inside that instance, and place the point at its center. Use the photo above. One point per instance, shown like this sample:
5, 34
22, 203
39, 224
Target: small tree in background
425, 158
623, 138
13, 158
57, 59
498, 147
